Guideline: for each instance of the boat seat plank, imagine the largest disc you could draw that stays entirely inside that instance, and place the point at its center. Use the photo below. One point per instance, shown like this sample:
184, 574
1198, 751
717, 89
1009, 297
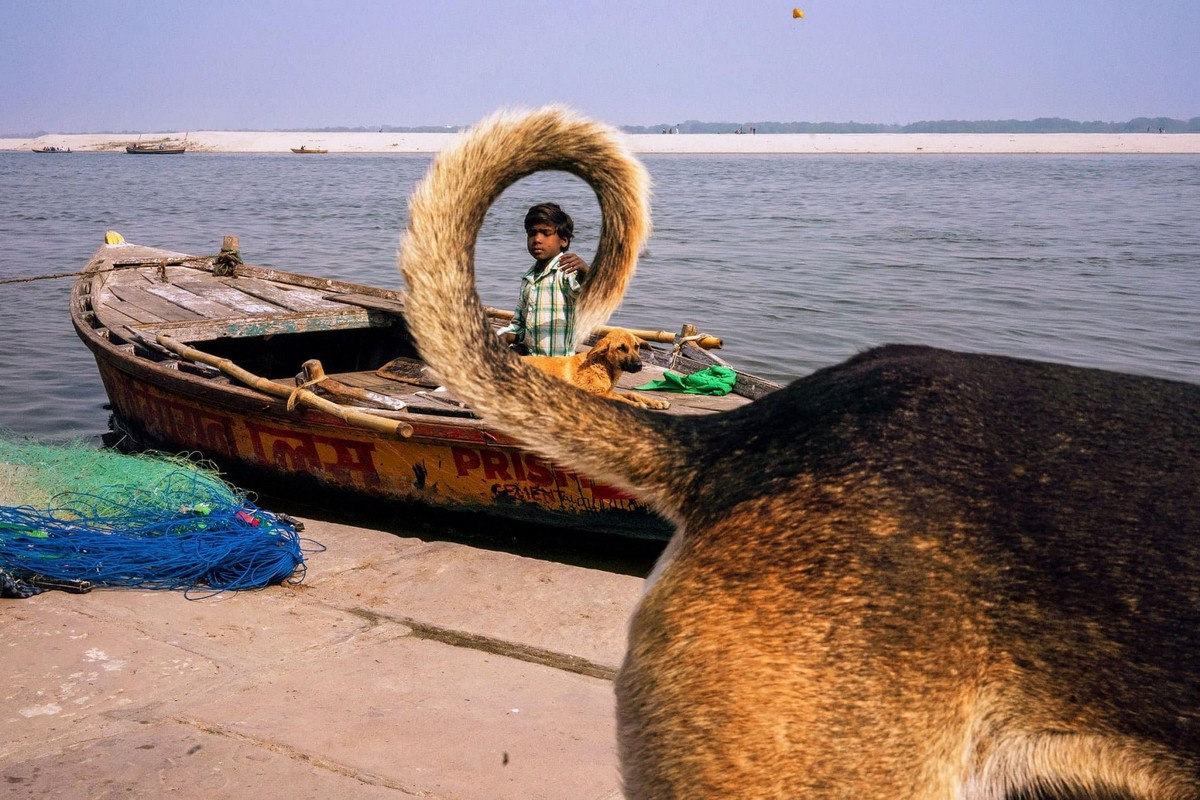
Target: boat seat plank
294, 298
164, 309
227, 295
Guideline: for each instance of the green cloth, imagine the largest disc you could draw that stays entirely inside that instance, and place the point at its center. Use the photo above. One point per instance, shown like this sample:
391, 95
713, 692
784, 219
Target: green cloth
711, 380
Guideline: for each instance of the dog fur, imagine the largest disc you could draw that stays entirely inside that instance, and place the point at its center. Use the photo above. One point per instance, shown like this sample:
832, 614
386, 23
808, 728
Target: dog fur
598, 369
916, 574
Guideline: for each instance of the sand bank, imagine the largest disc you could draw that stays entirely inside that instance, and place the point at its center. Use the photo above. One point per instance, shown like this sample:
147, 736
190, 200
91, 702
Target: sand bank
842, 143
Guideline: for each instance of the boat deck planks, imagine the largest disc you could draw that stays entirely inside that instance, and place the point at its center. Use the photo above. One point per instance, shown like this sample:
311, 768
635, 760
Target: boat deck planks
231, 296
293, 298
151, 304
197, 302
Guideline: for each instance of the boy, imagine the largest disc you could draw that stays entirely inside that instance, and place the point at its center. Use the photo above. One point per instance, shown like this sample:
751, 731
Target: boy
544, 321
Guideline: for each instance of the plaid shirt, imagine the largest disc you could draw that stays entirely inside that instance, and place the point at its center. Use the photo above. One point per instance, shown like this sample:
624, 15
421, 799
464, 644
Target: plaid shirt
545, 315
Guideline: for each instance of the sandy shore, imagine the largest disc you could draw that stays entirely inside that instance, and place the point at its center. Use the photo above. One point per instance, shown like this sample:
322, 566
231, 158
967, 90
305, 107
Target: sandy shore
845, 143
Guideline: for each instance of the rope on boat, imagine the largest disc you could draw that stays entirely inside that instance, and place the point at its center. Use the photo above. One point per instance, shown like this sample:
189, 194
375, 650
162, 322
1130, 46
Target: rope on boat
41, 277
119, 265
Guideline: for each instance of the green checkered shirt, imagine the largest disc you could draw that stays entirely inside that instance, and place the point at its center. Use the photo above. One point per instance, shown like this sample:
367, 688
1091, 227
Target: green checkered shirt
545, 315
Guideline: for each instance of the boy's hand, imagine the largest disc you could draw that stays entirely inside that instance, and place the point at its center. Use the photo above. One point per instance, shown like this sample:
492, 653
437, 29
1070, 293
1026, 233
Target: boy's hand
569, 262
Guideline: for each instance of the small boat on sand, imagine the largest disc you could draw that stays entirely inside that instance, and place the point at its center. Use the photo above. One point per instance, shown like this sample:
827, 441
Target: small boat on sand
317, 383
306, 150
51, 149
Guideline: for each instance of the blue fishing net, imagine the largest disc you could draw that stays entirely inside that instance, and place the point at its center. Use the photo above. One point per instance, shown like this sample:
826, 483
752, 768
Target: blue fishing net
135, 522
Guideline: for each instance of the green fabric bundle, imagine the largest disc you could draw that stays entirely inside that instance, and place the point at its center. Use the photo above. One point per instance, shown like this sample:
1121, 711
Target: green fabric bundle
711, 380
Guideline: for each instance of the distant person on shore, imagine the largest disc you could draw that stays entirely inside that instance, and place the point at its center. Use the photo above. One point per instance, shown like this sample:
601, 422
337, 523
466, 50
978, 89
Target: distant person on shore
543, 323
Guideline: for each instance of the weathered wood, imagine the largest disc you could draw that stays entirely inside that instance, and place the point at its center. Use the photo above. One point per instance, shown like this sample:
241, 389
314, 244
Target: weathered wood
164, 309
294, 298
183, 298
313, 373
270, 325
302, 396
118, 312
226, 294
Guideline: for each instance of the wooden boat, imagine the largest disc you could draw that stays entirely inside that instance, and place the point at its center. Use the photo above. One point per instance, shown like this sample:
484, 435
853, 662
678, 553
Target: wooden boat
204, 354
51, 149
303, 149
156, 149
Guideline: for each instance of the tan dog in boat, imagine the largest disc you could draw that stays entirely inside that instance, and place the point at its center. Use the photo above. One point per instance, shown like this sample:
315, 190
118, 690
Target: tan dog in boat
597, 370
916, 574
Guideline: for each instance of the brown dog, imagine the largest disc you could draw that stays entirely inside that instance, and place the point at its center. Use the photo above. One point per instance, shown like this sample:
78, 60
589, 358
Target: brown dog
917, 574
598, 370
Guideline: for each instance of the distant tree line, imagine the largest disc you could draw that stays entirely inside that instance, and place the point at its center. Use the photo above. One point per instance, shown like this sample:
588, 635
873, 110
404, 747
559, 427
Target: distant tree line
1039, 125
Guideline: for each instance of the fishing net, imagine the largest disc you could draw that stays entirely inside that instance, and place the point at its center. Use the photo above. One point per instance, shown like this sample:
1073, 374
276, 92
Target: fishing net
74, 516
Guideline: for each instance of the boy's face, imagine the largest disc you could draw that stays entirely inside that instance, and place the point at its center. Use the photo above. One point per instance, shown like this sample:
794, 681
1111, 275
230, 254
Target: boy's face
543, 241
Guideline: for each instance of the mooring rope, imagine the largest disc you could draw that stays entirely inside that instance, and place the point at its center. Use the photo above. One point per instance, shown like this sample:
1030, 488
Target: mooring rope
120, 265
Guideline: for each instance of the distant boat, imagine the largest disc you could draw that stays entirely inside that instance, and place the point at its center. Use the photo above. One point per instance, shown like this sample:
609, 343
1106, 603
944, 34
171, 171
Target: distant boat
51, 149
304, 149
156, 149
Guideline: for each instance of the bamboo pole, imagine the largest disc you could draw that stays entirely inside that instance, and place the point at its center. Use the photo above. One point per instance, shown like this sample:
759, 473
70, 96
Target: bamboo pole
662, 337
303, 396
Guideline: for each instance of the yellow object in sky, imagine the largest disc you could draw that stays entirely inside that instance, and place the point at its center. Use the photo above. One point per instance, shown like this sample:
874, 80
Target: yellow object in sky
797, 14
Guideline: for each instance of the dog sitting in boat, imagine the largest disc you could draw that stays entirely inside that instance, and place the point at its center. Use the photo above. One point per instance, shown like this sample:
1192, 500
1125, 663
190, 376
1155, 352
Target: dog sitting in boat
916, 574
597, 370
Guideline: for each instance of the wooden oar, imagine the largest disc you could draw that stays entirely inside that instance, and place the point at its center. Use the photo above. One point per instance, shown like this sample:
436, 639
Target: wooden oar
662, 337
303, 396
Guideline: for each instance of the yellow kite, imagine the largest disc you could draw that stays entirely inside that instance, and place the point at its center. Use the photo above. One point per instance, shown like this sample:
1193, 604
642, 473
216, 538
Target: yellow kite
797, 13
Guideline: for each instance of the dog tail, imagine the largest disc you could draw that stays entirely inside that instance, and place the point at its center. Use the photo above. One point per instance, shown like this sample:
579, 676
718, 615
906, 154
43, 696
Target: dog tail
447, 319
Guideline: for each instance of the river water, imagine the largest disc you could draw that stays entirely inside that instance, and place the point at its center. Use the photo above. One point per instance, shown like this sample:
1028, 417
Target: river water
796, 261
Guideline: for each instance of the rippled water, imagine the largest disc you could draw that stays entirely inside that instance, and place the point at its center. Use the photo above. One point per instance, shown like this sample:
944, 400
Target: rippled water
797, 261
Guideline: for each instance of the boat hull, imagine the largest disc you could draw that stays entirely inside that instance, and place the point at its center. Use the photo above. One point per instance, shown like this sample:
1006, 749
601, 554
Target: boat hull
201, 359
444, 465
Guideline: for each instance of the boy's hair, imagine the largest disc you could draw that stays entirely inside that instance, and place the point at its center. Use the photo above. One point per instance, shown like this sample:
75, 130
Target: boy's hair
552, 214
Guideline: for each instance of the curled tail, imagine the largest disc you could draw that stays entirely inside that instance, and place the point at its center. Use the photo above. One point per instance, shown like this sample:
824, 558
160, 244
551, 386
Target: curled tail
612, 442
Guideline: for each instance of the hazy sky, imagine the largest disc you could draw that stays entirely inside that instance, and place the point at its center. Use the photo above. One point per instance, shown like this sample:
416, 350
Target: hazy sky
109, 65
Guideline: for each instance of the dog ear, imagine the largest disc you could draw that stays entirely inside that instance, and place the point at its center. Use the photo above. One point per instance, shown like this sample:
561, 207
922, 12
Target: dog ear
601, 347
